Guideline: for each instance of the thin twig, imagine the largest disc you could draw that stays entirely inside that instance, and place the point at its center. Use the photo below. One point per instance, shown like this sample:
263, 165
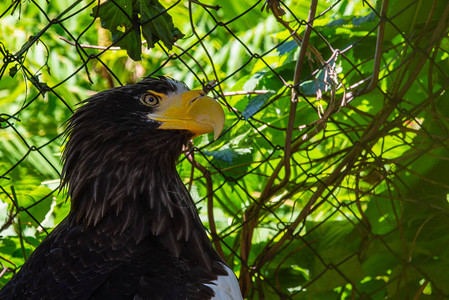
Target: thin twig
251, 215
335, 178
19, 223
379, 49
278, 13
3, 272
238, 93
421, 290
5, 259
210, 202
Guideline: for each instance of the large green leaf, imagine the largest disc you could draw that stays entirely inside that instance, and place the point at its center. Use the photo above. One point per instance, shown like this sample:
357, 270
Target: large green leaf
126, 19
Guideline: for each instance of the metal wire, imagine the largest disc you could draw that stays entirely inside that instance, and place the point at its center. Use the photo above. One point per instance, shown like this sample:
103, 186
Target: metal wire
322, 179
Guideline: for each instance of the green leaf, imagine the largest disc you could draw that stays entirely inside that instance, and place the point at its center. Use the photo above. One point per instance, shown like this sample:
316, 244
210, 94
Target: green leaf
410, 15
437, 270
157, 24
13, 71
115, 14
287, 47
233, 162
290, 277
118, 18
227, 155
224, 155
379, 261
251, 84
375, 288
130, 41
357, 21
338, 22
38, 211
127, 19
335, 244
322, 81
254, 104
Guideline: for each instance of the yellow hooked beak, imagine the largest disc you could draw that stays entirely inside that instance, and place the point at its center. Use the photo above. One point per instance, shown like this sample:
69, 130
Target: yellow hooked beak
191, 110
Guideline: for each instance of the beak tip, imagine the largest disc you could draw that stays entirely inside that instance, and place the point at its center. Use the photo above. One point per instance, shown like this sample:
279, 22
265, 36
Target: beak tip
218, 126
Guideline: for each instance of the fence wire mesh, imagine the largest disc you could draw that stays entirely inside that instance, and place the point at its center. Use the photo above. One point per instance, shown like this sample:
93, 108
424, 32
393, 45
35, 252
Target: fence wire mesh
330, 179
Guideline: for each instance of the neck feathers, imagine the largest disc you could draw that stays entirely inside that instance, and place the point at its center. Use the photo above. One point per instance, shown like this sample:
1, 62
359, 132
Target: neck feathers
135, 186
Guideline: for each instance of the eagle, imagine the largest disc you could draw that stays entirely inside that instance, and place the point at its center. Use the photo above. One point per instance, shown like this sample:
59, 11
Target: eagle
133, 231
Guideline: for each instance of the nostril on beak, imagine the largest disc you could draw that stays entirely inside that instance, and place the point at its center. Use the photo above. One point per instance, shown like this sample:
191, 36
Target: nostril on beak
194, 99
201, 94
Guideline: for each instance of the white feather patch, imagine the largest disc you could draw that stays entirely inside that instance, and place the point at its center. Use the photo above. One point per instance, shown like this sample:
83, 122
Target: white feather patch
180, 87
226, 287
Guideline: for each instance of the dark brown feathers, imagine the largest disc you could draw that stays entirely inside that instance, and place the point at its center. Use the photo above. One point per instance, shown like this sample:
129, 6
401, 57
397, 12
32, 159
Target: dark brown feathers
133, 230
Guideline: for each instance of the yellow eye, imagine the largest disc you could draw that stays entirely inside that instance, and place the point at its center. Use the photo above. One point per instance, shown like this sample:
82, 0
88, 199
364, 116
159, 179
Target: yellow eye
150, 99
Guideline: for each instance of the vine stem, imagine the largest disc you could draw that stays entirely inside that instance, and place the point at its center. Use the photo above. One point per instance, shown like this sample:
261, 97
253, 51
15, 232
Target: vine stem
210, 201
251, 215
19, 223
379, 47
369, 137
334, 179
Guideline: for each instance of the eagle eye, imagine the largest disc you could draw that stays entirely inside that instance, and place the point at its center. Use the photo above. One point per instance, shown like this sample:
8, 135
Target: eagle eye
150, 99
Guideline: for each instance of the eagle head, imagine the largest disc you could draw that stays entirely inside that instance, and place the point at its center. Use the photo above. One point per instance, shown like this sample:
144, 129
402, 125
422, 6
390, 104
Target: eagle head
123, 141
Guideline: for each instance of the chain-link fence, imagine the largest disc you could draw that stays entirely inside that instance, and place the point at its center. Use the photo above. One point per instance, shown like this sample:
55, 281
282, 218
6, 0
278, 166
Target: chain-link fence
330, 179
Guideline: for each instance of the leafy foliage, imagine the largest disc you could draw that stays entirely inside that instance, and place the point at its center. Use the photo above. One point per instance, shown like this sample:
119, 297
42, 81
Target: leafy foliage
341, 193
128, 19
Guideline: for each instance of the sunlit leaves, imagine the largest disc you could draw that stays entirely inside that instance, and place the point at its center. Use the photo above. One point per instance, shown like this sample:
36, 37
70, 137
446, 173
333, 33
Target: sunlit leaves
128, 19
255, 103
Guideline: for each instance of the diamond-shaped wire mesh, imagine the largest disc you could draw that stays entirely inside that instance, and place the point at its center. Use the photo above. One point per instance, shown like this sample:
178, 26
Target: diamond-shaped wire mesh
330, 178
